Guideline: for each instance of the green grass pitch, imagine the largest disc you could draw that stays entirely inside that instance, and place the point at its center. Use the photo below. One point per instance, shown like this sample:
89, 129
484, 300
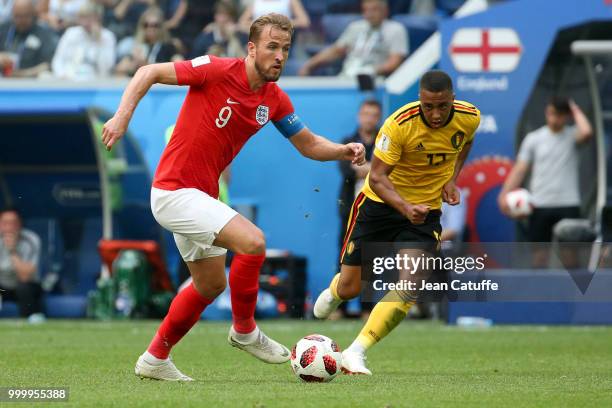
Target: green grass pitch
419, 365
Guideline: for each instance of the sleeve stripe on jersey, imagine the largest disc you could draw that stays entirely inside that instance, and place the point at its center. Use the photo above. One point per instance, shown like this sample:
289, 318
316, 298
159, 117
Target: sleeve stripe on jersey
409, 118
404, 111
462, 106
457, 110
408, 113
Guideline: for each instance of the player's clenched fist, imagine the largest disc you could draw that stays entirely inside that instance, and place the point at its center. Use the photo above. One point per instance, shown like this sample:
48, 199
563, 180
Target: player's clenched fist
451, 194
416, 213
113, 130
355, 153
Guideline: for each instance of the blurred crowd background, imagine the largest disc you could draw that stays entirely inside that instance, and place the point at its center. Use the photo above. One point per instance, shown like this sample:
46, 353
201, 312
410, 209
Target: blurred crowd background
86, 39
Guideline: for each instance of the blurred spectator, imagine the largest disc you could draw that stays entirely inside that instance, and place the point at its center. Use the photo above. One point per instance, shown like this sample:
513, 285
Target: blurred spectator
343, 7
127, 14
199, 14
221, 37
19, 255
372, 46
122, 16
26, 48
60, 14
151, 45
290, 8
85, 51
353, 177
6, 7
174, 11
550, 152
108, 13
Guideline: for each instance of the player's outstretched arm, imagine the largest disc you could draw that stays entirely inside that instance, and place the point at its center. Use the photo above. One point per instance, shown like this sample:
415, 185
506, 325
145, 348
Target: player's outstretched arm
319, 148
381, 185
140, 84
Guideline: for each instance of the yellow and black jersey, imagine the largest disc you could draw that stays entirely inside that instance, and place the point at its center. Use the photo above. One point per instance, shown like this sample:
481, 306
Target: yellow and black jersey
423, 158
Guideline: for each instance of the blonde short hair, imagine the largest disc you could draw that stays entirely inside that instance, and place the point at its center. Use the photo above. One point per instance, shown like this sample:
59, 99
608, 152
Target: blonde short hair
275, 20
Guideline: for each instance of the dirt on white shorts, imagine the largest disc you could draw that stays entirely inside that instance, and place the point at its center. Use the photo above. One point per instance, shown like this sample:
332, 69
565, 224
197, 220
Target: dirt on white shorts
195, 219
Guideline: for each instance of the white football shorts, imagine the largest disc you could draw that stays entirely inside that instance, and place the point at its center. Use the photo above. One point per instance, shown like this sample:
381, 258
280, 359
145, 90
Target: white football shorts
194, 218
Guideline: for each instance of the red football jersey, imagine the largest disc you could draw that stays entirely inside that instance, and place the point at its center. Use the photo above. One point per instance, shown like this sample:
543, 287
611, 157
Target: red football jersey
219, 114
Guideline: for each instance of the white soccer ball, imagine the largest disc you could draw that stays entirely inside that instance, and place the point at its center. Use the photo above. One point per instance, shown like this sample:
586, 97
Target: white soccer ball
316, 358
519, 202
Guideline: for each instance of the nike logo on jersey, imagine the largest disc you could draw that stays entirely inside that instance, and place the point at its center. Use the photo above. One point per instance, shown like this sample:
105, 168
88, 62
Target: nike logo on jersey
230, 102
420, 147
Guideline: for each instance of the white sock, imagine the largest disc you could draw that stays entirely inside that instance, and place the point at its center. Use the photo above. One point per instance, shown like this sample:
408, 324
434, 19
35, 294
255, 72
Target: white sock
245, 338
151, 359
357, 347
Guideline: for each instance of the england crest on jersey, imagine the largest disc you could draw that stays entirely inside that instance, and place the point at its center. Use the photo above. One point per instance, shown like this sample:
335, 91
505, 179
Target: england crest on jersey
261, 116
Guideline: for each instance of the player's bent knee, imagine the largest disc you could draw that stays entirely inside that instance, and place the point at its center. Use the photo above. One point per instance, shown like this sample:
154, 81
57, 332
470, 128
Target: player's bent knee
217, 289
255, 243
211, 289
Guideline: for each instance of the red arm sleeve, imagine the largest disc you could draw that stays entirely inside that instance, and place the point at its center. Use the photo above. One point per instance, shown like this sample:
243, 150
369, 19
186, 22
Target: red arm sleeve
284, 107
198, 71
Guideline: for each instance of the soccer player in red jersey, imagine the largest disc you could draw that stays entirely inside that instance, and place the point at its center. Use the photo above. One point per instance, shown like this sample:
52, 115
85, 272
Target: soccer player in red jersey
228, 101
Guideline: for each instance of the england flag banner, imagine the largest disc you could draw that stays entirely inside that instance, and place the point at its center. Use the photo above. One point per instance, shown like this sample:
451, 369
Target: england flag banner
485, 50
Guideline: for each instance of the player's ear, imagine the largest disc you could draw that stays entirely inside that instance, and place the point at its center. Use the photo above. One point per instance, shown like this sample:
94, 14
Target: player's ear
251, 49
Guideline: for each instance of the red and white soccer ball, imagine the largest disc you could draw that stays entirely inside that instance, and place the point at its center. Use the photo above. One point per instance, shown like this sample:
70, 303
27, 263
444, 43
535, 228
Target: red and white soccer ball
316, 358
519, 202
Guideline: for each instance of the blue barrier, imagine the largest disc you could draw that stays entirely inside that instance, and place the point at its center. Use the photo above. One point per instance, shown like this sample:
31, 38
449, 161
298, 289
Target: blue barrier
60, 306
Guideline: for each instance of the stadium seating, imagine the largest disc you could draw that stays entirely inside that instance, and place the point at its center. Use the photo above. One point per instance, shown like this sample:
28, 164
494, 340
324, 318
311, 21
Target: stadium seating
419, 28
449, 6
315, 8
343, 6
335, 24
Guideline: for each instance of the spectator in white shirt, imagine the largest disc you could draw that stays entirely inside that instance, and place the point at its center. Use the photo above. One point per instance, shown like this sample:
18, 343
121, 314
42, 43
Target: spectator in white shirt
373, 45
86, 51
6, 7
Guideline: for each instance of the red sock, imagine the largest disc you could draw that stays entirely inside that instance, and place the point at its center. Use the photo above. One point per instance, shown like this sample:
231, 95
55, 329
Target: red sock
244, 284
185, 311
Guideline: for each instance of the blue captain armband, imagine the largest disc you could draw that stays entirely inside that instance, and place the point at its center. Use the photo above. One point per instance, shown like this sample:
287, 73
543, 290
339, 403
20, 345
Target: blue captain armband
289, 125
